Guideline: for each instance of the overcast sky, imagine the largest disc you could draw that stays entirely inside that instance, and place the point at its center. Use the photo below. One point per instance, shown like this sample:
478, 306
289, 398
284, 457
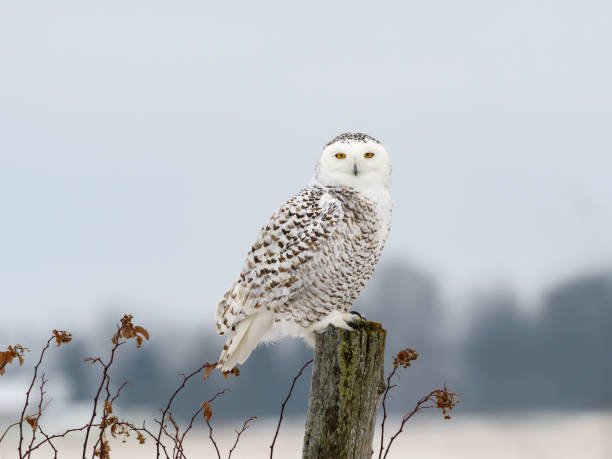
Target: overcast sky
144, 143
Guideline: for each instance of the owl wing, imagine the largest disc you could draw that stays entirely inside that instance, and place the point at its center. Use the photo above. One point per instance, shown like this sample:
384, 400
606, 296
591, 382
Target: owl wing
287, 243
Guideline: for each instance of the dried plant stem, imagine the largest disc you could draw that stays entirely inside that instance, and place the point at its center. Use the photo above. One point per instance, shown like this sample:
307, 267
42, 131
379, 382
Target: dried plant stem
384, 407
206, 418
169, 428
189, 427
105, 367
198, 411
95, 447
176, 450
245, 426
27, 400
119, 391
104, 412
107, 399
419, 406
43, 381
51, 437
280, 419
144, 429
172, 397
48, 440
7, 429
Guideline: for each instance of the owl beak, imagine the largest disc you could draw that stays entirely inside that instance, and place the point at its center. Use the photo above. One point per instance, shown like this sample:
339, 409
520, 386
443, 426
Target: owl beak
355, 170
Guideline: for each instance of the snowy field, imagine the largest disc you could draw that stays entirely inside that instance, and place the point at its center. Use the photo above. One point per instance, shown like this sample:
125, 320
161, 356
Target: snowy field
554, 436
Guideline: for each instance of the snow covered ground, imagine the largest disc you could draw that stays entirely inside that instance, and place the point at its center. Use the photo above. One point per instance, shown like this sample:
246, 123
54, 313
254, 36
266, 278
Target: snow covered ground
552, 435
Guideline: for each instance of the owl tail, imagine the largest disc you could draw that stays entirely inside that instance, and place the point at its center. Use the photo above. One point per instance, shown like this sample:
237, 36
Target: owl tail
247, 334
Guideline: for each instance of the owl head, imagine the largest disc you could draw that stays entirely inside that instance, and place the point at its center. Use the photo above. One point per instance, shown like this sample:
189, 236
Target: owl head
356, 160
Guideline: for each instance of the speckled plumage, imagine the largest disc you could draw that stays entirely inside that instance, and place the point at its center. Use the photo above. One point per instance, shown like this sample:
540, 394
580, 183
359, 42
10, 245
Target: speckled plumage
352, 137
309, 262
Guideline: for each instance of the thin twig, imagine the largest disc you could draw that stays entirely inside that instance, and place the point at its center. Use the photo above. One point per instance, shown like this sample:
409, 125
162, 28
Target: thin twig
175, 435
144, 429
51, 437
95, 447
189, 427
7, 429
419, 406
104, 376
284, 403
104, 414
210, 435
245, 426
206, 418
172, 397
49, 441
25, 406
38, 413
125, 383
384, 407
106, 406
179, 441
170, 436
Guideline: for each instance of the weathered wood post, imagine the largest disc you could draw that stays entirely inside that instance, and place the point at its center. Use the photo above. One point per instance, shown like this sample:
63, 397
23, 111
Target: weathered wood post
347, 383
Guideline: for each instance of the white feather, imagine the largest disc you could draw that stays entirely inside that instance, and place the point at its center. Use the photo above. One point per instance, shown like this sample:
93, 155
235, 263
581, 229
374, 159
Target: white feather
245, 338
315, 254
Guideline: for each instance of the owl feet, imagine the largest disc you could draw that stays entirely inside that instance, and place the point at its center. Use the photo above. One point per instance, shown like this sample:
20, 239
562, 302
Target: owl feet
357, 316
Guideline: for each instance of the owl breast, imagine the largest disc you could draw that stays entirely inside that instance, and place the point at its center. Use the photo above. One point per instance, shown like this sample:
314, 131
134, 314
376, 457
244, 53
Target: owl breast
339, 270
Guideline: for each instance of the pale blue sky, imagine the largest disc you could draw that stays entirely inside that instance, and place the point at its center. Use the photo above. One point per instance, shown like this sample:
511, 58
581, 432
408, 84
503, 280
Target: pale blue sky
143, 144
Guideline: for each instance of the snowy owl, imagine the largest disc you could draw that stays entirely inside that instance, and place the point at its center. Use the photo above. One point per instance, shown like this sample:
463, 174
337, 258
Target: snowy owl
315, 254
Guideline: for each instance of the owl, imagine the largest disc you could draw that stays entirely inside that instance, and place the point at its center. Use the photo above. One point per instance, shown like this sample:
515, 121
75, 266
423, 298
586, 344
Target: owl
314, 255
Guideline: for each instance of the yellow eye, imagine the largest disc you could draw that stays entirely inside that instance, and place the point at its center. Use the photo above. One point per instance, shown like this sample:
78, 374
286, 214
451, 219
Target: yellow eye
368, 155
340, 155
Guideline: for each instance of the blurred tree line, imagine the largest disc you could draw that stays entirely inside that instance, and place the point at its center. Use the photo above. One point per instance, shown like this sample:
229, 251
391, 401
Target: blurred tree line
496, 356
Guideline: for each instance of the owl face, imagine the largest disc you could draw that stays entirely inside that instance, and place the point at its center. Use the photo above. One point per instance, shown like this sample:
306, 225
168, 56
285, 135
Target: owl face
356, 160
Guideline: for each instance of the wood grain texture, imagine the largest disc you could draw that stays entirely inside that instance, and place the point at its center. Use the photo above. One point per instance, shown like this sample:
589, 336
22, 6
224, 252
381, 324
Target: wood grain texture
347, 383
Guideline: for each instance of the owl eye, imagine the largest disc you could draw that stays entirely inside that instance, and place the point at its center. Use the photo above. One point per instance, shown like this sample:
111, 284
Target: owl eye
368, 155
340, 155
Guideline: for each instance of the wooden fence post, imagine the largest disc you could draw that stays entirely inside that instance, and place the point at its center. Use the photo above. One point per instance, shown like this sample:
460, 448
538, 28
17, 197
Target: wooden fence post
347, 383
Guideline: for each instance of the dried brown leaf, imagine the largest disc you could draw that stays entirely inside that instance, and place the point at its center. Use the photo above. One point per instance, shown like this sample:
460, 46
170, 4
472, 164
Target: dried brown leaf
206, 411
208, 369
128, 330
142, 331
61, 337
234, 371
445, 401
33, 421
12, 352
404, 357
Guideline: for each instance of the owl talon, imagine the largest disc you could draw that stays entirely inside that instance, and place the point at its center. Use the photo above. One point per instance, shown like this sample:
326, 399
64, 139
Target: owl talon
359, 316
